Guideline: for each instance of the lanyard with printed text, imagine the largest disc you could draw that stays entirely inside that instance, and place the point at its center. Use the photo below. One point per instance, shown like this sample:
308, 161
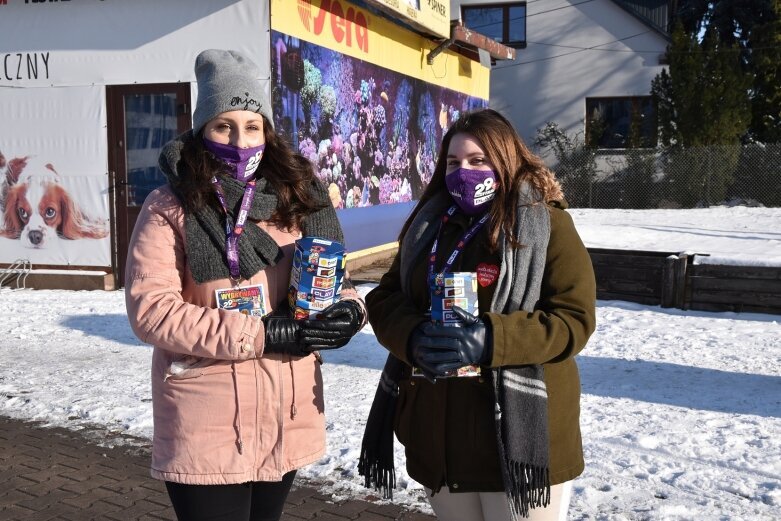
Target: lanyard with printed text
233, 230
438, 278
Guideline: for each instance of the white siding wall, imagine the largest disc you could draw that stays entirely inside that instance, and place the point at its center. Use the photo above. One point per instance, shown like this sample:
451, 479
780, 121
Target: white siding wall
548, 83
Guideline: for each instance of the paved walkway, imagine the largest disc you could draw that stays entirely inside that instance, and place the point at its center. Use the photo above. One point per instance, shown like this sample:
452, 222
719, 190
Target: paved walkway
55, 473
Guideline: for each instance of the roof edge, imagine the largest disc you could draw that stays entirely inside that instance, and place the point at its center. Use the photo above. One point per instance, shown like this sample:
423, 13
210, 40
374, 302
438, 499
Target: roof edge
663, 32
469, 43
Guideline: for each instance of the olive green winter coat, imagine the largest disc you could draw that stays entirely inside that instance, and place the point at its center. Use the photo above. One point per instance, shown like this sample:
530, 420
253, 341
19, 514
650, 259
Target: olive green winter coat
447, 427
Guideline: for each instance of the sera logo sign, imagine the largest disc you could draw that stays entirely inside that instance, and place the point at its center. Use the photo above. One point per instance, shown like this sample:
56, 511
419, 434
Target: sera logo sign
348, 26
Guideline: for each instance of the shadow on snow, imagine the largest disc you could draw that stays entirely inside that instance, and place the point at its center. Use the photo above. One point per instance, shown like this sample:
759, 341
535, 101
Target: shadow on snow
682, 386
653, 382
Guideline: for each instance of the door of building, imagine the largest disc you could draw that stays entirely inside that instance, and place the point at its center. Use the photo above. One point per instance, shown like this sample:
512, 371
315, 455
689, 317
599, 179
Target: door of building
141, 119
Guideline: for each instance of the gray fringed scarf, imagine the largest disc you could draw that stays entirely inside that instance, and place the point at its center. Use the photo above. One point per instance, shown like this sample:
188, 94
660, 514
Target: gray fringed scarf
520, 394
205, 229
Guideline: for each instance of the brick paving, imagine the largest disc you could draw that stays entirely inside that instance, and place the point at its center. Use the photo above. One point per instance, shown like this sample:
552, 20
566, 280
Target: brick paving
58, 474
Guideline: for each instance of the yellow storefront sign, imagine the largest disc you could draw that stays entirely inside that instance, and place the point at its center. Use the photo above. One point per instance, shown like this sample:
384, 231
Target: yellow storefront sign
429, 15
345, 28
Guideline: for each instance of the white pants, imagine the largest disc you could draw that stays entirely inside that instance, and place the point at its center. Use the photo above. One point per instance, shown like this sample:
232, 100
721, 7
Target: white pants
492, 506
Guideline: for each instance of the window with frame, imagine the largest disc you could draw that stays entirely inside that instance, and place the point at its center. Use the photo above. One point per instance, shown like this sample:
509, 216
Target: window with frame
137, 138
505, 22
621, 122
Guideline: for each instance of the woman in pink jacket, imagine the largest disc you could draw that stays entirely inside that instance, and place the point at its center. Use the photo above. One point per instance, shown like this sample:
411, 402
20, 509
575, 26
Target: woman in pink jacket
237, 396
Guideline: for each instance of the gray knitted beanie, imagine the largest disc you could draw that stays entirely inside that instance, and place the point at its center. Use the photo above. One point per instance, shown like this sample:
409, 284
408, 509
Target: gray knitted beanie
227, 81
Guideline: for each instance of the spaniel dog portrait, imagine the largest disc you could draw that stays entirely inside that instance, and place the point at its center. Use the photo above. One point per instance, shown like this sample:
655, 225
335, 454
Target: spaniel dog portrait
37, 209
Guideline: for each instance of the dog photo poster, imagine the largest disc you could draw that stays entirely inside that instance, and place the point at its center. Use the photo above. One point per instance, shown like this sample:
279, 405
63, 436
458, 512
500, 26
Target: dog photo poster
53, 178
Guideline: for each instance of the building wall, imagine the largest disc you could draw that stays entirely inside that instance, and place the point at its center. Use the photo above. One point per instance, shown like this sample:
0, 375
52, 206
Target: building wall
552, 77
91, 42
56, 60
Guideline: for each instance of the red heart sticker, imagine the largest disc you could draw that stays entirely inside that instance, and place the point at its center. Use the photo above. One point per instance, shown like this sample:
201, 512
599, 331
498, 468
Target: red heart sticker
487, 273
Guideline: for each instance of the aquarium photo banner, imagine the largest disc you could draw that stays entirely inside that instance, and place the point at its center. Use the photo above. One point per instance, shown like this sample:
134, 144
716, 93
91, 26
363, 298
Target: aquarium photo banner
372, 133
354, 94
53, 178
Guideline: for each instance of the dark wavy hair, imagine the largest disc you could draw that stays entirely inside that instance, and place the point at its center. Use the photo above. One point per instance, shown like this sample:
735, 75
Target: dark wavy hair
513, 162
290, 174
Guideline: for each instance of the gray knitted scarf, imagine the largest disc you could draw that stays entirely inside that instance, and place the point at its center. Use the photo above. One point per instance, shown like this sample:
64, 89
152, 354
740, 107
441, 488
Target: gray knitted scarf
521, 412
205, 229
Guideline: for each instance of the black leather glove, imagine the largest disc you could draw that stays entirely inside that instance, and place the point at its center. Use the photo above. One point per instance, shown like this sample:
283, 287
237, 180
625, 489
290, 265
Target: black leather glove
437, 349
335, 326
283, 335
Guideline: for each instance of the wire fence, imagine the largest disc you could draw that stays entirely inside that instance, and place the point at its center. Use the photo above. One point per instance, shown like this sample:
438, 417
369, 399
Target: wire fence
687, 178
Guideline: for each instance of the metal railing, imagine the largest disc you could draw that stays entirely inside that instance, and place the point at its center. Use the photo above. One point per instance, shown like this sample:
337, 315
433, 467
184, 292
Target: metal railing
17, 273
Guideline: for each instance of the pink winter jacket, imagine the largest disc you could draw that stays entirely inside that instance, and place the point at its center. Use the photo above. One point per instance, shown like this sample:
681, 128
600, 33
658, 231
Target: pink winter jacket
224, 412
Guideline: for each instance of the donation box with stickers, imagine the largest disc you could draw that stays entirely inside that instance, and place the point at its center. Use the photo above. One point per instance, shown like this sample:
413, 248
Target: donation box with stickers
316, 277
448, 290
454, 289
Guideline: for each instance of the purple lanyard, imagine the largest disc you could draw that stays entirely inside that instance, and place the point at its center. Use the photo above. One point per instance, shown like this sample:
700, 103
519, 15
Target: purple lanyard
438, 278
233, 231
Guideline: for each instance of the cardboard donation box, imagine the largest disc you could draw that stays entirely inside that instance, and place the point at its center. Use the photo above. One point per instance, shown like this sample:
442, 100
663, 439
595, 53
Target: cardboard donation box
454, 289
316, 277
457, 289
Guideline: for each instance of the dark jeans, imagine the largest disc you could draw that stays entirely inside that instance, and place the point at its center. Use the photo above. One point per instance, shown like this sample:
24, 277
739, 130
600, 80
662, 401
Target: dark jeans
253, 501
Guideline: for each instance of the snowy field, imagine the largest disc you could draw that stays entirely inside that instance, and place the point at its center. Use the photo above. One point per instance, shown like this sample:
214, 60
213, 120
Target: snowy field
681, 410
736, 235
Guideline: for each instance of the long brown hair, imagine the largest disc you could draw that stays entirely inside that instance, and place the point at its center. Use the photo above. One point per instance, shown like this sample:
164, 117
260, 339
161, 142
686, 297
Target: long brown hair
290, 174
513, 163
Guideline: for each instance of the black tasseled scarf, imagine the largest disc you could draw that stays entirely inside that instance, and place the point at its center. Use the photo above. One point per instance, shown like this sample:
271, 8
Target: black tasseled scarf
521, 399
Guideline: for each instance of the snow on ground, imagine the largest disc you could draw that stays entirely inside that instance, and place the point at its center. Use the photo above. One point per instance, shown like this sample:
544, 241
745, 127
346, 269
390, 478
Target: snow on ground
735, 235
681, 410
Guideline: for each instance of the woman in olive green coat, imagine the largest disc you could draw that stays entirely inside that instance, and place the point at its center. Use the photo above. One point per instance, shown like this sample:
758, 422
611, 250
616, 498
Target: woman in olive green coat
502, 442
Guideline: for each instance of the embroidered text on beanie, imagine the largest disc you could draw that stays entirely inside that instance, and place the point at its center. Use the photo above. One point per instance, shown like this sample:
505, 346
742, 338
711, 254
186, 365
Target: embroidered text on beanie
227, 81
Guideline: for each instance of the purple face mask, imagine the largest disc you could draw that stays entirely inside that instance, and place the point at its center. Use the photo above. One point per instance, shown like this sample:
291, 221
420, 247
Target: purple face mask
472, 190
242, 161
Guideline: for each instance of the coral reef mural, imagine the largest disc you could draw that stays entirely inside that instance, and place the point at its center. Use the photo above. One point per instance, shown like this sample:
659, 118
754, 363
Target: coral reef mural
373, 134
